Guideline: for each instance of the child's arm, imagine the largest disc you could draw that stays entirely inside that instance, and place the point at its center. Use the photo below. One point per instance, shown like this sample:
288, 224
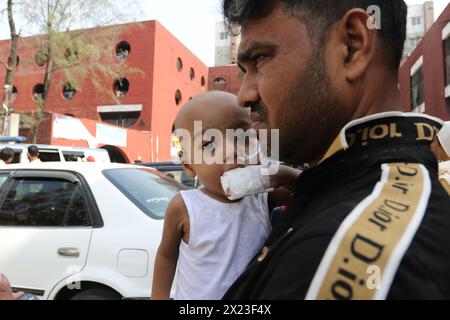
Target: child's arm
167, 255
285, 177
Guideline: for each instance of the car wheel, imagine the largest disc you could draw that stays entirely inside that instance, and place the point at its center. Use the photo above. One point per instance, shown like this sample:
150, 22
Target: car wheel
97, 294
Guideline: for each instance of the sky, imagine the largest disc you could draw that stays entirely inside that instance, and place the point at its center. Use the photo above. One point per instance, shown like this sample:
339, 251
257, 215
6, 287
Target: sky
192, 22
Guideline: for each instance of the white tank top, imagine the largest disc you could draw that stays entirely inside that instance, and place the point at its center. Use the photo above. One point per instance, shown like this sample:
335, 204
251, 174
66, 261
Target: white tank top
224, 237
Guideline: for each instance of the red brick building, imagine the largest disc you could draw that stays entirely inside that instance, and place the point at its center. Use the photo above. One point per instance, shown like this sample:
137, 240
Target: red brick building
149, 100
425, 76
225, 78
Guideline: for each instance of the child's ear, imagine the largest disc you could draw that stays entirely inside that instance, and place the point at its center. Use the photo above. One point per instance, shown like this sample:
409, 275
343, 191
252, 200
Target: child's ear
186, 167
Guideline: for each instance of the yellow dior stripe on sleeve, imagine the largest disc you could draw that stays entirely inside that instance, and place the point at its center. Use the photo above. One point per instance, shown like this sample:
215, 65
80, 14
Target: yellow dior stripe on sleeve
364, 255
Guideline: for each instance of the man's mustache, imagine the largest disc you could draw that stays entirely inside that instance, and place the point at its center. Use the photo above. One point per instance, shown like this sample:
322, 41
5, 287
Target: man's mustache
259, 108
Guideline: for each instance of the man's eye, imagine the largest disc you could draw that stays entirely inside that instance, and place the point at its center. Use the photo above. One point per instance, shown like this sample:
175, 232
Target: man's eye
259, 58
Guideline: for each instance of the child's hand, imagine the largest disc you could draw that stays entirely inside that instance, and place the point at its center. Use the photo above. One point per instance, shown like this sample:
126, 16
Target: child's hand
284, 177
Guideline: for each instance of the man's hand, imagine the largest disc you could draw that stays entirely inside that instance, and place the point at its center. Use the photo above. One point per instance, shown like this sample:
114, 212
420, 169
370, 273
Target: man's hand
6, 292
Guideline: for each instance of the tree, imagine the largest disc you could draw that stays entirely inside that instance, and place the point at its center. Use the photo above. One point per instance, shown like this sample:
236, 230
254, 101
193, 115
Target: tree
72, 48
10, 68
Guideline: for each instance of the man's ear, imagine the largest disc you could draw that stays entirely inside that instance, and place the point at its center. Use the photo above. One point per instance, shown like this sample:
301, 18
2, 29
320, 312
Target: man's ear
360, 41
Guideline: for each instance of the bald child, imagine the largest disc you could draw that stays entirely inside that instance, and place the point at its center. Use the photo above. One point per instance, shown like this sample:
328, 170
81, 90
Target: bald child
209, 240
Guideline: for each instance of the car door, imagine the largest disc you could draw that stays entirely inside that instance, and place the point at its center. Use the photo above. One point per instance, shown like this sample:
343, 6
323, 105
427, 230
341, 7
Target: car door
45, 229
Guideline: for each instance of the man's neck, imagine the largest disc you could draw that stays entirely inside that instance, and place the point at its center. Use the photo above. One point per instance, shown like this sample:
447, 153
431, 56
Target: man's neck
378, 99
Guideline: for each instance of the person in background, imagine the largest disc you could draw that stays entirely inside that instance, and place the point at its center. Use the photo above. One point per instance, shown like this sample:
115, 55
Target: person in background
6, 156
33, 154
441, 148
6, 292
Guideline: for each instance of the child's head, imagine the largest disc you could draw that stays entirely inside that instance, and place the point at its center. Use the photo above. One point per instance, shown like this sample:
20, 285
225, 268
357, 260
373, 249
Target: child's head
215, 110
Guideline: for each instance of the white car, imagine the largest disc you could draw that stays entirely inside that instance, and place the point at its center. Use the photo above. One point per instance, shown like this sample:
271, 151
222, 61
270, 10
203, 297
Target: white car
82, 230
49, 153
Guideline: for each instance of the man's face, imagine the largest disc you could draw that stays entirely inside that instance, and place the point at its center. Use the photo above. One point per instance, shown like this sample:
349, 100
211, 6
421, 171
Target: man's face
287, 86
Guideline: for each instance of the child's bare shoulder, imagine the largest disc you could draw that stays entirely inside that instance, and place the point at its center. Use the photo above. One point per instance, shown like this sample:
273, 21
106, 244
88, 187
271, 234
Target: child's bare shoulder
176, 211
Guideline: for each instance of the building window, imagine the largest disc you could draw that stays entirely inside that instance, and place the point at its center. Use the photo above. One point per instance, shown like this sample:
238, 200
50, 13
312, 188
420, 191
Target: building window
179, 64
178, 97
38, 92
17, 62
414, 42
220, 81
416, 21
417, 91
69, 91
223, 36
41, 58
71, 55
192, 74
14, 94
121, 119
121, 87
123, 50
203, 82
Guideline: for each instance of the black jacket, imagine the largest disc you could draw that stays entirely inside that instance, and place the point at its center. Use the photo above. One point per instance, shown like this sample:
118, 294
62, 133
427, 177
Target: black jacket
325, 196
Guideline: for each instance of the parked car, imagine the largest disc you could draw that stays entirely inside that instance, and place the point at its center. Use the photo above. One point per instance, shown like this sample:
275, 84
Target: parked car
49, 153
82, 230
175, 171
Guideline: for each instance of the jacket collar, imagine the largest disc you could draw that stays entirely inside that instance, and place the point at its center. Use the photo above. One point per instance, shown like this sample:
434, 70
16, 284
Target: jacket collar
384, 127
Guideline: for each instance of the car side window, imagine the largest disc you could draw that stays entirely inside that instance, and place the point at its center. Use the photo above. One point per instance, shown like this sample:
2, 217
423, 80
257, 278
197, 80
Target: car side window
43, 202
76, 215
3, 178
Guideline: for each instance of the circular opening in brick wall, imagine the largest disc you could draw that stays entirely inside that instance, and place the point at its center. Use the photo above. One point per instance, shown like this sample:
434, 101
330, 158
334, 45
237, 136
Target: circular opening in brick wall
71, 55
14, 94
18, 61
123, 50
203, 82
178, 97
69, 91
179, 64
38, 92
192, 74
41, 58
121, 87
219, 83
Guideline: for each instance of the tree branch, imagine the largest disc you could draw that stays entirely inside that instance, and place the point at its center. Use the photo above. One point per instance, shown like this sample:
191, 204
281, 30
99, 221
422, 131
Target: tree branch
64, 67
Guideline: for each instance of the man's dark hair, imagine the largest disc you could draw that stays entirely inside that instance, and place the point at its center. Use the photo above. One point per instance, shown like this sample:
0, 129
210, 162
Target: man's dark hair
33, 151
6, 154
319, 15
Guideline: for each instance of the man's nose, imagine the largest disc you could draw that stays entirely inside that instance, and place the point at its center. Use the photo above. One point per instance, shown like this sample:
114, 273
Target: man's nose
248, 93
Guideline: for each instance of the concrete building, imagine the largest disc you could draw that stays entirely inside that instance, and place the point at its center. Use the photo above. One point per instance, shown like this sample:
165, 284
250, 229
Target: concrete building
148, 101
226, 46
425, 76
420, 20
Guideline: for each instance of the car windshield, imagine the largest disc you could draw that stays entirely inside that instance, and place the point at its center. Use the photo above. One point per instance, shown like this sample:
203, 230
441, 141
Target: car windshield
149, 191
